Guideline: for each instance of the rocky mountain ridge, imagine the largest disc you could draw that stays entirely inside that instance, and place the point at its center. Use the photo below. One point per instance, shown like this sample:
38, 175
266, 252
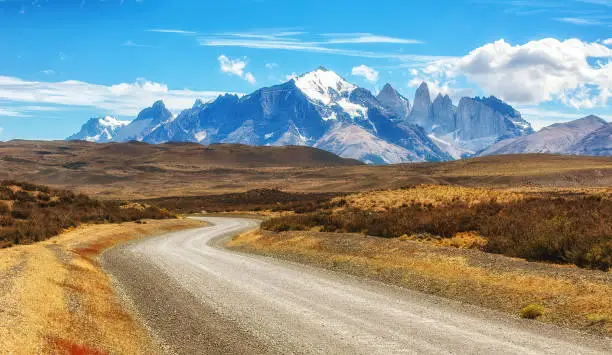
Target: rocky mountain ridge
321, 109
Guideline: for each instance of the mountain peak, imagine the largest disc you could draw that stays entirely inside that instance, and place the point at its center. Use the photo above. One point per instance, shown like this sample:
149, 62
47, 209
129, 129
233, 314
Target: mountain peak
198, 103
322, 68
158, 105
593, 118
323, 85
388, 87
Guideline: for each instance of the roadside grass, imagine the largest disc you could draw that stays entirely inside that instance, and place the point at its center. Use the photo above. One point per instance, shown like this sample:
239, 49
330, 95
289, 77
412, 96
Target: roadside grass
569, 294
58, 300
31, 213
560, 228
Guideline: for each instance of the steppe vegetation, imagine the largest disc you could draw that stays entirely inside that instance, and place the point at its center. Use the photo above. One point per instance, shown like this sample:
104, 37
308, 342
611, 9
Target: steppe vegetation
551, 226
31, 213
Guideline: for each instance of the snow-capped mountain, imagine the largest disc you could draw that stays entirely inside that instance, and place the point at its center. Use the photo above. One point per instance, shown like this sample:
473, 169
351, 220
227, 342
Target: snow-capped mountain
318, 109
147, 121
99, 129
321, 109
559, 138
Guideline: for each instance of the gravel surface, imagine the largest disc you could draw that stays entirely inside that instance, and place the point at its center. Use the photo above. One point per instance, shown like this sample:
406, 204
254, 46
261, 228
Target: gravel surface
196, 297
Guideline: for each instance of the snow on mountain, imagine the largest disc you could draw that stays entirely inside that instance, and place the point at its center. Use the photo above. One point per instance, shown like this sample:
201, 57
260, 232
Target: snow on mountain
147, 121
302, 112
100, 129
323, 110
324, 85
559, 138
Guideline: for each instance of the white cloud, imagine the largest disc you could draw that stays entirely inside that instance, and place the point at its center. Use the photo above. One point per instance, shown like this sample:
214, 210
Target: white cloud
294, 41
130, 43
250, 78
1, 130
368, 73
181, 32
582, 21
345, 38
607, 42
232, 66
272, 66
121, 99
235, 67
577, 73
48, 72
9, 113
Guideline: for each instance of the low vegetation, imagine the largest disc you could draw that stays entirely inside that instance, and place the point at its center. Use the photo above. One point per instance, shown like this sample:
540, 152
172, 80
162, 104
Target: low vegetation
558, 228
253, 200
532, 311
31, 213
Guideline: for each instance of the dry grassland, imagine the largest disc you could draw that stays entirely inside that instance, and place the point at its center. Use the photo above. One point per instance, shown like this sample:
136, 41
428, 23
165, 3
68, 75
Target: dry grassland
56, 299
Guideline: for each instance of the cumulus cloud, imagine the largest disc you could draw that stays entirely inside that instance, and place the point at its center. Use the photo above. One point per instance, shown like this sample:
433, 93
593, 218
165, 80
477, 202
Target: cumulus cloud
368, 73
121, 99
576, 73
607, 42
235, 67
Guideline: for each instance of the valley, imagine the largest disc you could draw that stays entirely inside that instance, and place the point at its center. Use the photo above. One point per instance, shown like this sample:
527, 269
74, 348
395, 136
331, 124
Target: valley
138, 171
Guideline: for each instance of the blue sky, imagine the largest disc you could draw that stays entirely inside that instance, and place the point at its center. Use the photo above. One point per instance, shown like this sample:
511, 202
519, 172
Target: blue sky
63, 61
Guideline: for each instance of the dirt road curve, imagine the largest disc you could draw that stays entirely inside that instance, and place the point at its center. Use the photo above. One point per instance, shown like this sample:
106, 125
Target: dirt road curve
196, 297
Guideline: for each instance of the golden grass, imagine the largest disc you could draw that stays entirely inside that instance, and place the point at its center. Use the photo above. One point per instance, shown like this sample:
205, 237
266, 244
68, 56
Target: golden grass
464, 240
569, 294
58, 299
436, 195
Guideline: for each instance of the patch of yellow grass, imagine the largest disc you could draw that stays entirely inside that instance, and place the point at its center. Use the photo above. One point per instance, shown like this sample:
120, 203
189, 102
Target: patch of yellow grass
436, 195
463, 240
59, 300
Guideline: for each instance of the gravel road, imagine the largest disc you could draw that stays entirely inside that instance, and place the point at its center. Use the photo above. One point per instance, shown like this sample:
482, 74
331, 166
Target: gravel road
196, 297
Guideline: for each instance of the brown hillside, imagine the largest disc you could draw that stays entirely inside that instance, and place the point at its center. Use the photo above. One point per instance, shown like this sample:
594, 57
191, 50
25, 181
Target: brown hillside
138, 170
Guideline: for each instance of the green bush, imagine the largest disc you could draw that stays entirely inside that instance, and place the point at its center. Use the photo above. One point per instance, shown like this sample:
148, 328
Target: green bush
532, 311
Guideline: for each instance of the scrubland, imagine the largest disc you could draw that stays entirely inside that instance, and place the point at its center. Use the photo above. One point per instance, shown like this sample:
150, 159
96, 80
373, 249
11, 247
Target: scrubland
547, 226
31, 213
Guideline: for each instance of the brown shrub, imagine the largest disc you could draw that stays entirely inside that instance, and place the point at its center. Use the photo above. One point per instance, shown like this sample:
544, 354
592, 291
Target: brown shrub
560, 230
253, 200
39, 213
